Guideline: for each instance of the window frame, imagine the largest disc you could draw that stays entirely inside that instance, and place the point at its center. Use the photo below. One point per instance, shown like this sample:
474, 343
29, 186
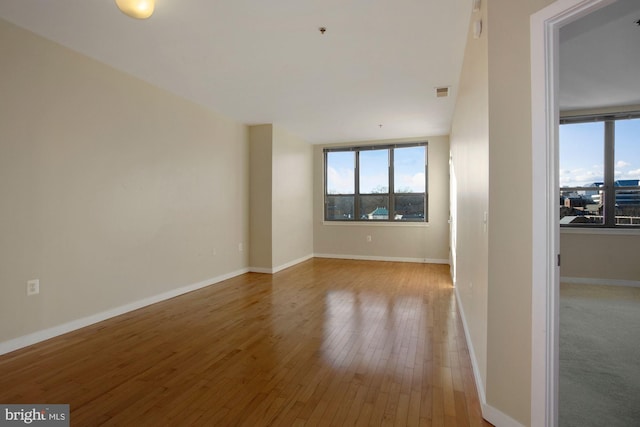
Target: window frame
608, 187
391, 193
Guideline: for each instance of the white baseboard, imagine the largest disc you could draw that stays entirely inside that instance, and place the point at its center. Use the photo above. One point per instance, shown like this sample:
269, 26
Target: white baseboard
472, 353
280, 267
292, 263
382, 258
489, 413
261, 270
601, 282
498, 418
45, 334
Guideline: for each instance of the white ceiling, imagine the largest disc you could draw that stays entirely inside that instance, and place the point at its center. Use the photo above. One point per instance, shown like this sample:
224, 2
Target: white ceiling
260, 61
600, 59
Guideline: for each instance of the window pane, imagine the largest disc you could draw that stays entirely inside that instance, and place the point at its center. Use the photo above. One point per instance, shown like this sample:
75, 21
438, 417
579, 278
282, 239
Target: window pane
628, 207
581, 165
374, 171
627, 148
581, 208
339, 208
581, 154
374, 207
409, 207
409, 169
340, 172
627, 171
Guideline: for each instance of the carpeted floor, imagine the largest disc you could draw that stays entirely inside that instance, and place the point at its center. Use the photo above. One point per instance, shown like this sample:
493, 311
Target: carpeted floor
599, 356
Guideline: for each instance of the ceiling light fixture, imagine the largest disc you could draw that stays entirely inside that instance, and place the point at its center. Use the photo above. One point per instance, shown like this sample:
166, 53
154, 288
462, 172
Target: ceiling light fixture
139, 9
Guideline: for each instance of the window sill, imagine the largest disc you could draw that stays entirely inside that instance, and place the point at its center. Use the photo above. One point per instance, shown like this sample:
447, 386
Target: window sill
604, 231
376, 224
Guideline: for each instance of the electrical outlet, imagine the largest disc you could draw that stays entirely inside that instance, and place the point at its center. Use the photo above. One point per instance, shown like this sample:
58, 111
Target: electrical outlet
33, 287
368, 238
240, 248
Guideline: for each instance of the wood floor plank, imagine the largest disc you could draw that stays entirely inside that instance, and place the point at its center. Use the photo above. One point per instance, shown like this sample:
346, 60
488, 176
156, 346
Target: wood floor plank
326, 342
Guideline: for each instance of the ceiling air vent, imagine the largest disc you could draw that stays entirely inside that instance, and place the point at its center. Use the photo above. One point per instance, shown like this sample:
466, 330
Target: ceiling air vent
442, 92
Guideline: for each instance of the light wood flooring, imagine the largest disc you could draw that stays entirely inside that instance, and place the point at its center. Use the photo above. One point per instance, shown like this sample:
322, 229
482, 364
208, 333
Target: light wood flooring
326, 342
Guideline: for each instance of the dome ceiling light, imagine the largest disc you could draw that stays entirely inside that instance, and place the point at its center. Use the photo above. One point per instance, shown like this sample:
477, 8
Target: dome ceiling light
139, 9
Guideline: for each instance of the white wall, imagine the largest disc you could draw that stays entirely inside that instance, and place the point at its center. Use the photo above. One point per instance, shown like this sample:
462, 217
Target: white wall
402, 242
113, 191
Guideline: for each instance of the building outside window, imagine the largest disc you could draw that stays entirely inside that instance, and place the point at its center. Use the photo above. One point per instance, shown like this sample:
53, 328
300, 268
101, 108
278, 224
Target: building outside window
385, 183
600, 171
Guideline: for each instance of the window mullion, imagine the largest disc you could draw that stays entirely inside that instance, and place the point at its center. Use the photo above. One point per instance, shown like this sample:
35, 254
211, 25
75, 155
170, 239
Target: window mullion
392, 199
426, 183
356, 196
324, 180
609, 206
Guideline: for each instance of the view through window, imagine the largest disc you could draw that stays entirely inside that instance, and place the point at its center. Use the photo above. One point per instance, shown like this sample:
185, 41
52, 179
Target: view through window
376, 183
600, 171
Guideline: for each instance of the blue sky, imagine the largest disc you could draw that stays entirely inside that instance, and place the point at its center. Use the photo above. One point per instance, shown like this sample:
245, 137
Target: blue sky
581, 160
409, 170
582, 152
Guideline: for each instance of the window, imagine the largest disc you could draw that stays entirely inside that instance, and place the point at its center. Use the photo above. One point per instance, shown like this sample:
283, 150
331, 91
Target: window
600, 171
377, 183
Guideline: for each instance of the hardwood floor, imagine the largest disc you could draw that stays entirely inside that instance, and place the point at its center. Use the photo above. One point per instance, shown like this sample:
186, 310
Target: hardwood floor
326, 342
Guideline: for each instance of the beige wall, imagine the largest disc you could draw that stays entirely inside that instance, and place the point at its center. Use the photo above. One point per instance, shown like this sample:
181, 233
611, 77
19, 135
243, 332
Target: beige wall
281, 198
597, 255
112, 190
494, 143
470, 162
510, 207
409, 242
292, 198
260, 164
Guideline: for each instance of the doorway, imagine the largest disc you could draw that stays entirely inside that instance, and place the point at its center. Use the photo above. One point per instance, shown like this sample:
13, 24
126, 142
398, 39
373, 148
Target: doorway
545, 26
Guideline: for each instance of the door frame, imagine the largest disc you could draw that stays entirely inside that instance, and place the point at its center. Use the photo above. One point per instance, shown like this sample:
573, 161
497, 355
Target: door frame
544, 26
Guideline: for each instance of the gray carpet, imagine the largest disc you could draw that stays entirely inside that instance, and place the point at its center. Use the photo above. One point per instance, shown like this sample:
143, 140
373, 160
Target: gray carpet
599, 356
